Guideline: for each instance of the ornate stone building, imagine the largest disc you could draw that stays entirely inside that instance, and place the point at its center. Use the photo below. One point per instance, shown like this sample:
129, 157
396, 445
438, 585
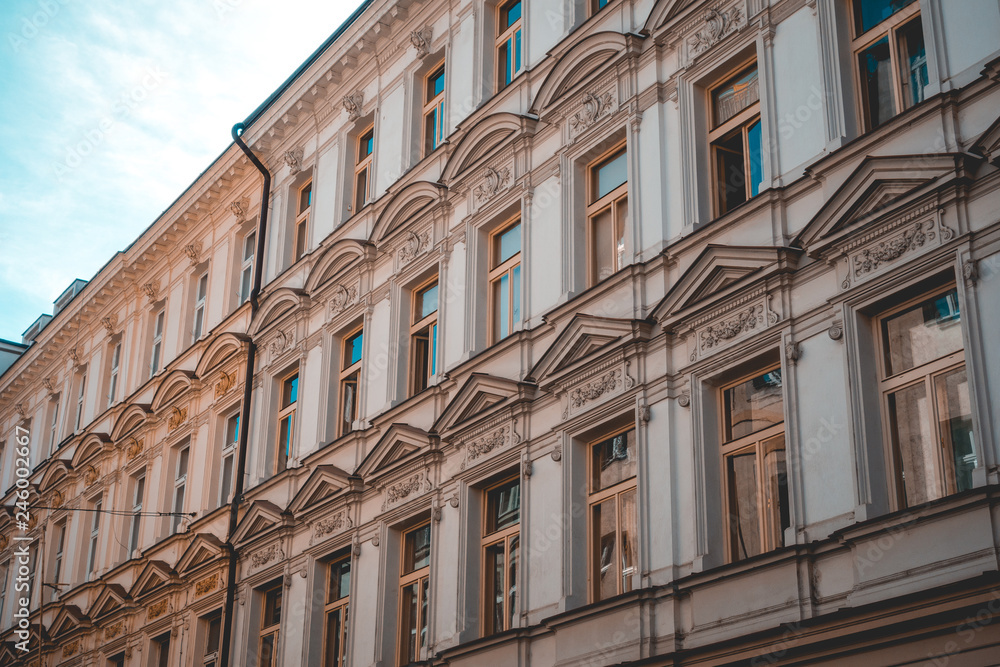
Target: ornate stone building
611, 332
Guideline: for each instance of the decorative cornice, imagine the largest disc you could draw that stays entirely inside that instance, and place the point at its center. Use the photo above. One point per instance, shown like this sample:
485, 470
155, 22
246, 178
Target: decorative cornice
151, 290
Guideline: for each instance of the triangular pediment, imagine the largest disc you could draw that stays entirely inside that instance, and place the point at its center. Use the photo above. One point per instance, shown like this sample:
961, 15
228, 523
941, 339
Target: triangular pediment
154, 576
480, 395
260, 518
68, 619
204, 548
720, 270
880, 185
325, 482
108, 601
8, 656
584, 337
399, 444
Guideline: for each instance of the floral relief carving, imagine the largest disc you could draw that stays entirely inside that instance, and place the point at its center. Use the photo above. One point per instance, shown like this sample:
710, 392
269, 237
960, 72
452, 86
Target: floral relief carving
484, 445
884, 252
113, 631
266, 555
330, 525
177, 417
595, 107
352, 105
400, 491
747, 319
594, 389
718, 24
281, 342
70, 649
224, 383
206, 585
494, 180
343, 298
413, 246
157, 609
133, 448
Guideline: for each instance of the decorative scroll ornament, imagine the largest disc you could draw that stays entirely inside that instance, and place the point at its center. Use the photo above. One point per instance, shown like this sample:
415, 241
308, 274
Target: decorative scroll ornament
266, 555
484, 445
224, 383
90, 475
413, 246
281, 342
596, 388
70, 649
19, 409
421, 40
151, 290
352, 105
113, 631
330, 525
134, 448
193, 251
493, 181
157, 609
871, 259
206, 585
595, 107
47, 383
718, 24
400, 491
240, 208
293, 160
177, 417
74, 355
748, 319
836, 331
343, 298
110, 323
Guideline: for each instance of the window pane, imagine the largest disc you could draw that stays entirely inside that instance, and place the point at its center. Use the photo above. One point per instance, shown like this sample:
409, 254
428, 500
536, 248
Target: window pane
517, 48
361, 190
610, 174
754, 157
284, 442
427, 301
913, 437
512, 565
408, 622
267, 651
424, 585
509, 244
349, 388
227, 478
435, 84
621, 216
510, 15
613, 461
433, 343
305, 197
365, 145
289, 391
515, 294
272, 606
495, 588
340, 580
214, 632
912, 62
869, 13
503, 506
503, 56
232, 430
923, 333
744, 526
630, 543
754, 405
955, 413
604, 531
602, 238
775, 490
735, 95
501, 315
876, 82
352, 349
417, 549
731, 177
334, 632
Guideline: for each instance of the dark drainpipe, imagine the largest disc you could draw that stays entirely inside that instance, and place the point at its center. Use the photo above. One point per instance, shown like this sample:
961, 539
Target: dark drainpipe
225, 648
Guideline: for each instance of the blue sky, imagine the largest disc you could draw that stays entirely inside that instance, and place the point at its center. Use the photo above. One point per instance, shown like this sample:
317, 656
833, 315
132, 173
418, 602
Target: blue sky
110, 108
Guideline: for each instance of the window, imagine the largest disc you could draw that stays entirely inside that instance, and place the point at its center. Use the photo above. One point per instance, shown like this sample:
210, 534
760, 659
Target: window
95, 536
81, 391
232, 439
363, 167
607, 210
423, 336
138, 490
735, 140
246, 268
270, 624
59, 546
433, 110
888, 49
180, 485
161, 650
338, 598
597, 5
154, 359
505, 280
413, 593
286, 420
213, 631
612, 503
350, 374
501, 542
753, 452
54, 423
117, 660
302, 220
113, 371
926, 398
3, 586
508, 43
201, 291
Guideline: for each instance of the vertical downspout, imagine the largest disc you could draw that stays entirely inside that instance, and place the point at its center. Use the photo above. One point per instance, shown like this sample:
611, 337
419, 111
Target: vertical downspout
225, 657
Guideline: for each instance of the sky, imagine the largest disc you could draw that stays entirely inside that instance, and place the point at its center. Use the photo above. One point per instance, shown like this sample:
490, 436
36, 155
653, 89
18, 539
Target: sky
109, 109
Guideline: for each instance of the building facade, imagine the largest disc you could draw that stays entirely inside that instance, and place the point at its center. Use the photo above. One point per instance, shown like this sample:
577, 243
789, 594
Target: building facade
631, 332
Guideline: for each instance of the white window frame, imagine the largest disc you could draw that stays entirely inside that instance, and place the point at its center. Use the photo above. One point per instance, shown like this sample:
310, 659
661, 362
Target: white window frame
95, 535
60, 547
156, 351
116, 360
229, 447
135, 525
54, 424
182, 465
247, 265
81, 396
200, 295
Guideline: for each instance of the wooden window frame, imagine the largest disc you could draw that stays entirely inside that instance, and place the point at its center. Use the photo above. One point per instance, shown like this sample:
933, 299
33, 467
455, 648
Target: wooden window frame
332, 606
286, 412
757, 441
420, 329
362, 165
228, 457
113, 372
596, 5
156, 351
247, 264
344, 378
302, 213
859, 42
60, 549
95, 537
505, 536
273, 630
433, 104
923, 374
497, 271
182, 465
407, 579
508, 37
595, 498
740, 123
614, 200
135, 527
209, 658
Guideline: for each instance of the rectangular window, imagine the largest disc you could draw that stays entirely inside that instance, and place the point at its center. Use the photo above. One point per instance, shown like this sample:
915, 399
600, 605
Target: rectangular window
54, 423
113, 371
59, 545
286, 421
161, 650
95, 536
270, 625
413, 593
213, 632
501, 555
508, 42
423, 336
246, 267
612, 502
302, 220
607, 212
505, 280
926, 398
138, 491
81, 394
363, 167
753, 452
350, 375
597, 5
228, 462
735, 140
3, 585
338, 598
888, 48
180, 486
117, 660
433, 110
154, 358
201, 291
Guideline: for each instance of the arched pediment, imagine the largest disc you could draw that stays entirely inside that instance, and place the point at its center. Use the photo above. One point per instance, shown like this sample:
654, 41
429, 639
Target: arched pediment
91, 446
663, 11
482, 139
174, 384
335, 259
221, 348
130, 419
276, 305
405, 204
56, 471
576, 65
